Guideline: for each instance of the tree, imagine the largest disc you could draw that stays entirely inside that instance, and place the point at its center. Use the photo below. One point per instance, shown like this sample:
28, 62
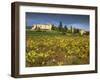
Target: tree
65, 28
60, 26
53, 27
76, 30
71, 29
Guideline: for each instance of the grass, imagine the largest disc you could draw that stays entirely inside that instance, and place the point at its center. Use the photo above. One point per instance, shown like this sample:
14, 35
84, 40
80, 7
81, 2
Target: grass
52, 48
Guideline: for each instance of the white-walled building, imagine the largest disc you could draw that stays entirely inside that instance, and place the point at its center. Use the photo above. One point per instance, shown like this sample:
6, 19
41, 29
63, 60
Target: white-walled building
42, 26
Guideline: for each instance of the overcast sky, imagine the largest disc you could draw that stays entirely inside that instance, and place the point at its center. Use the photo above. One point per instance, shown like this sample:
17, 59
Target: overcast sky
77, 21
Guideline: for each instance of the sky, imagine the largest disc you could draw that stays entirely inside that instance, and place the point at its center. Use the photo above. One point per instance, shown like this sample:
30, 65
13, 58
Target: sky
77, 21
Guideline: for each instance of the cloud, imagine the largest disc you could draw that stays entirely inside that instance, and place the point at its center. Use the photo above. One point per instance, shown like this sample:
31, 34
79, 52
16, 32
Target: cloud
80, 26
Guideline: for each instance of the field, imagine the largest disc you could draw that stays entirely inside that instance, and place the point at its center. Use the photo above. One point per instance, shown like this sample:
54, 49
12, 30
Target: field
54, 48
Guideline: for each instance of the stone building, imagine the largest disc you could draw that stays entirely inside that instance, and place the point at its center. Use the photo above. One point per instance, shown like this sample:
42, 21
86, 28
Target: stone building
41, 26
82, 32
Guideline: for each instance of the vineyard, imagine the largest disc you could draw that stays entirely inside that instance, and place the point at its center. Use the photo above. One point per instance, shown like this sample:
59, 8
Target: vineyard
53, 49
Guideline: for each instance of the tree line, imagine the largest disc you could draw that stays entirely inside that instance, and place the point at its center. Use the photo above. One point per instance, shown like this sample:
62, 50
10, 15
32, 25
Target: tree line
66, 29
